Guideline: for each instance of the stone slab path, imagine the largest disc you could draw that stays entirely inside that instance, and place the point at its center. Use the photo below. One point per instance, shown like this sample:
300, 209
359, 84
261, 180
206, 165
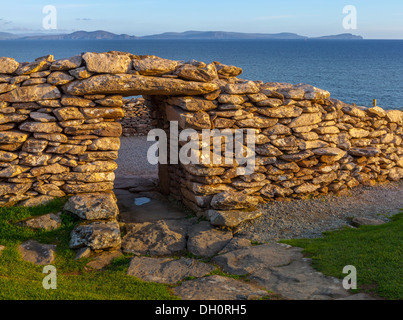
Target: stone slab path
204, 262
200, 261
268, 268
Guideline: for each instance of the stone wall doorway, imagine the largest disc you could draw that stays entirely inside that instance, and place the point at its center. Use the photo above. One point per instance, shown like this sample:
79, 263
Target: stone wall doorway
141, 188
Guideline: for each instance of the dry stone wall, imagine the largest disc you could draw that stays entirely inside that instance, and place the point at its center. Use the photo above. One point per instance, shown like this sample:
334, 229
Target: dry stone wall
59, 132
138, 118
306, 144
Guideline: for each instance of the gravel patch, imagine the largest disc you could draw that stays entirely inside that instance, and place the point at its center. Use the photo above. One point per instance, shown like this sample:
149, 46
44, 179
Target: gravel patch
309, 218
132, 160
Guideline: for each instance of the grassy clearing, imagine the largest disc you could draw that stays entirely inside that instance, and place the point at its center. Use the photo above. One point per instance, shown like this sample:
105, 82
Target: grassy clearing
375, 251
23, 280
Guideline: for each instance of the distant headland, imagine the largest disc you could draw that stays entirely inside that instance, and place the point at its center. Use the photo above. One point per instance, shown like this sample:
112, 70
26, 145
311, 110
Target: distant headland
187, 35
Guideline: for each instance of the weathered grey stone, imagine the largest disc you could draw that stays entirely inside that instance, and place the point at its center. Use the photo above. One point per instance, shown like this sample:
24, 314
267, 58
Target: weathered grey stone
93, 206
395, 116
154, 66
106, 62
37, 253
105, 113
59, 78
257, 122
96, 235
364, 152
195, 73
104, 144
271, 191
42, 117
233, 200
306, 119
131, 85
50, 127
268, 150
31, 93
83, 253
86, 187
281, 112
396, 174
7, 156
218, 288
52, 169
111, 101
48, 221
40, 64
236, 244
6, 87
103, 129
99, 156
167, 270
34, 146
362, 221
12, 171
14, 188
358, 133
67, 64
306, 188
247, 87
103, 259
188, 120
377, 111
249, 260
12, 137
8, 65
80, 73
192, 103
155, 238
231, 218
225, 71
206, 241
298, 280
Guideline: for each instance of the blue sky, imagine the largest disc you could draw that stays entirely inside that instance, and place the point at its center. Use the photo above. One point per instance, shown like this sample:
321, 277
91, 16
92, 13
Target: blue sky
375, 19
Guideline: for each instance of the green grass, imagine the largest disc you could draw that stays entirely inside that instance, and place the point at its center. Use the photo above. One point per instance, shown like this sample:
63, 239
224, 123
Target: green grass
375, 251
23, 280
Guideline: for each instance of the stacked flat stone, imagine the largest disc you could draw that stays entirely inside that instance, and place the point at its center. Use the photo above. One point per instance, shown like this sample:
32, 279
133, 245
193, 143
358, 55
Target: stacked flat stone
59, 131
306, 144
138, 118
53, 143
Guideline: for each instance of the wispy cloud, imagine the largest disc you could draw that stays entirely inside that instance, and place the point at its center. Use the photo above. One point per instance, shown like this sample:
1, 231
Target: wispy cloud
84, 19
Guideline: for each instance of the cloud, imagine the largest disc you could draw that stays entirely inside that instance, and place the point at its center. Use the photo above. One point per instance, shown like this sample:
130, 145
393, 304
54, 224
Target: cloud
83, 19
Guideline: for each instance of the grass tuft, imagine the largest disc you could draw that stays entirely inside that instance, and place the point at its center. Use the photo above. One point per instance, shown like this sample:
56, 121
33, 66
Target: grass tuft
20, 280
375, 251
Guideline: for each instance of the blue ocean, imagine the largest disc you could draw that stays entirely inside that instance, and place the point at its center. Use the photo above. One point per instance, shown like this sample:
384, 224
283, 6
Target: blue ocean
353, 71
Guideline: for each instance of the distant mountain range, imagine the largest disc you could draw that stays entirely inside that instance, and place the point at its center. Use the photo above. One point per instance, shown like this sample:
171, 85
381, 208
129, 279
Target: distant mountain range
188, 35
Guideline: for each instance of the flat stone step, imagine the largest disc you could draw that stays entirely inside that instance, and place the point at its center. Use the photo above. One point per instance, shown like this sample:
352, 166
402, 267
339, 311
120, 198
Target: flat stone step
219, 288
157, 208
162, 237
167, 270
37, 253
